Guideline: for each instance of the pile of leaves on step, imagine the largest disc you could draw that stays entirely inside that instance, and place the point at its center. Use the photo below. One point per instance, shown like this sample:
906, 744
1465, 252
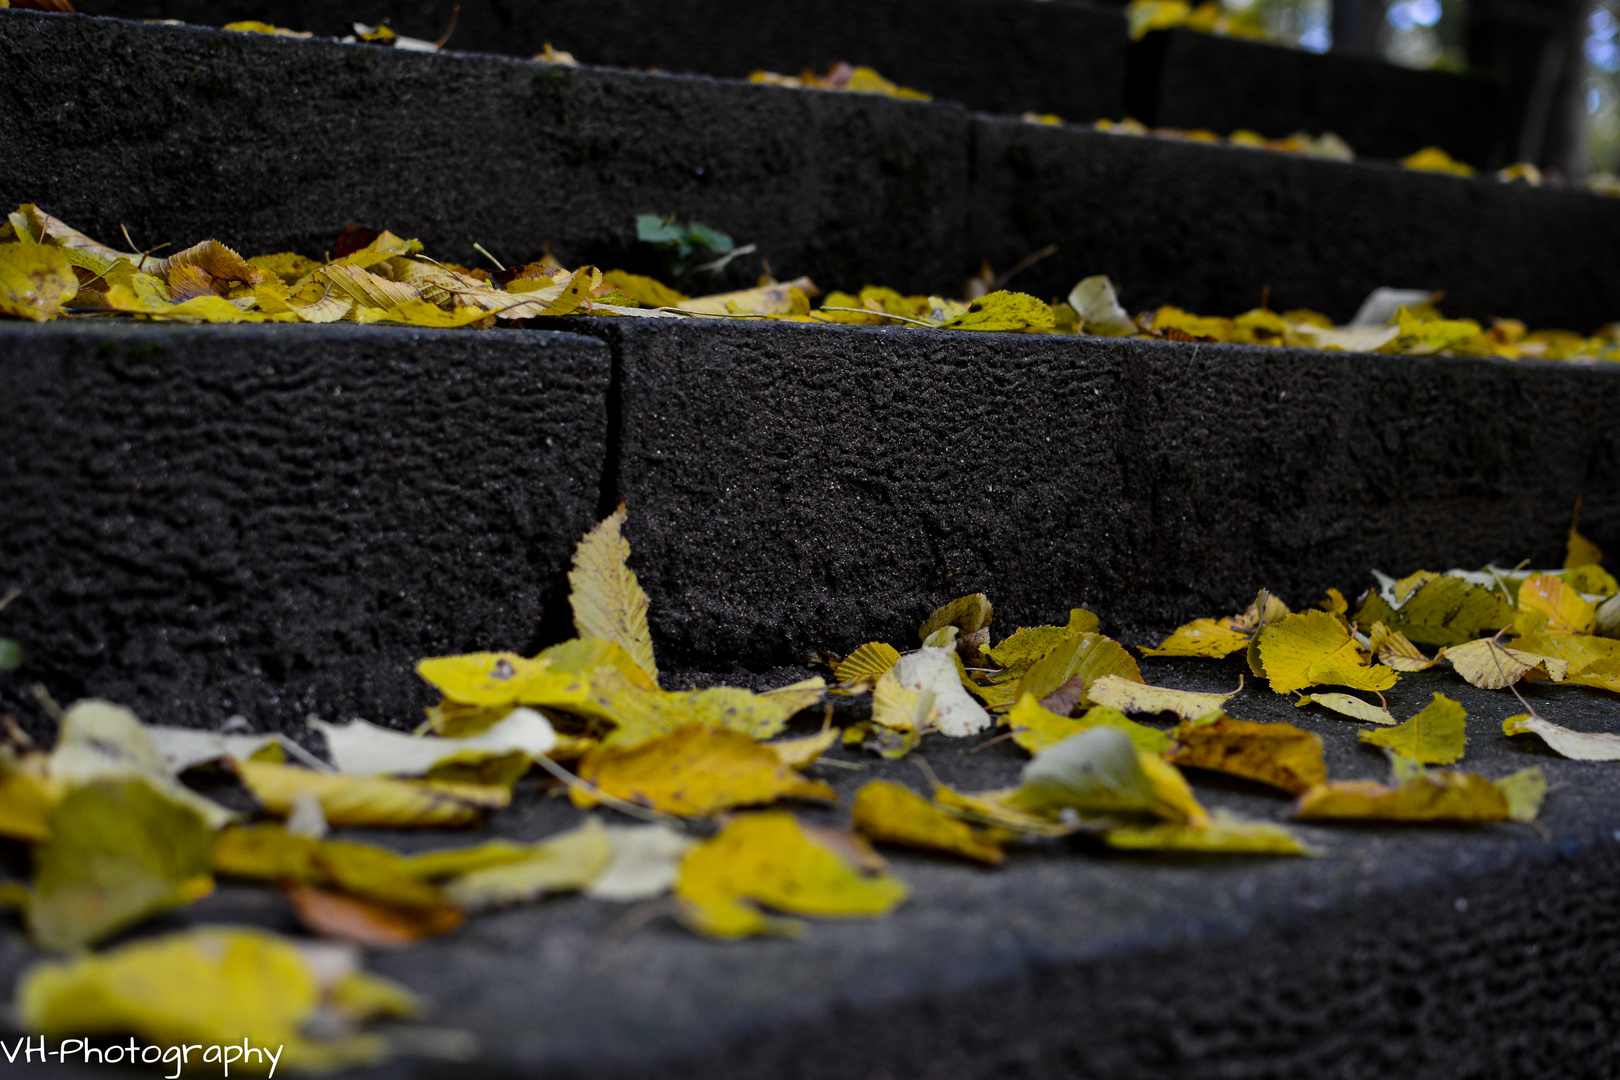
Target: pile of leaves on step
49, 269
115, 832
1327, 145
855, 79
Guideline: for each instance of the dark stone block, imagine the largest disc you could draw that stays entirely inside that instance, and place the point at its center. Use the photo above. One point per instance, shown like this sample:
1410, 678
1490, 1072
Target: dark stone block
794, 484
278, 520
1406, 952
1181, 79
998, 55
274, 144
1211, 228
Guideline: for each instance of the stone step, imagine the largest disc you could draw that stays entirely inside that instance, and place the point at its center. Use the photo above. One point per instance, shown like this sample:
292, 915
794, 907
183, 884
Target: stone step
847, 188
1181, 79
1011, 56
280, 520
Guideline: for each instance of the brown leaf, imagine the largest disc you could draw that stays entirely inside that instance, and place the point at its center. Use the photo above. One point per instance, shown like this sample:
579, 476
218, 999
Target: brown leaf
366, 922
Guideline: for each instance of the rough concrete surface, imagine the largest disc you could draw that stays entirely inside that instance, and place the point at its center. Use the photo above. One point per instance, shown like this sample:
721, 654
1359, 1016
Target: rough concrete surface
789, 484
271, 521
275, 144
1210, 228
1438, 952
1181, 79
1008, 56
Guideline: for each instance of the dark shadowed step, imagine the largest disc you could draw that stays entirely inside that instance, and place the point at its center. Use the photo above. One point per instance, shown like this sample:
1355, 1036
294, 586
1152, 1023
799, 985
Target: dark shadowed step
273, 143
269, 521
1451, 952
1010, 56
1181, 79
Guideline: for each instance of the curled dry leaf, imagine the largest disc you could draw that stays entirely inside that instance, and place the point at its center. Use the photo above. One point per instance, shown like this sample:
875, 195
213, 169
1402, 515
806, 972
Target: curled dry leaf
1490, 665
768, 860
1579, 745
608, 602
1392, 649
1281, 755
372, 800
694, 772
923, 682
1135, 697
364, 749
1347, 705
1435, 736
894, 814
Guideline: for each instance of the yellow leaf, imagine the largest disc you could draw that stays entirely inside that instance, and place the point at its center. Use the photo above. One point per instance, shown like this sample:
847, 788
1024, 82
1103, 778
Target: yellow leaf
35, 281
923, 691
782, 298
1099, 772
865, 80
253, 26
209, 986
102, 741
694, 772
639, 714
1137, 697
1580, 551
1547, 604
1442, 795
1394, 649
1004, 311
364, 287
119, 851
608, 601
566, 862
1434, 159
895, 814
1095, 302
1035, 728
1145, 16
969, 614
1578, 745
1313, 647
1203, 637
1442, 610
212, 258
1186, 326
1224, 835
1087, 657
646, 291
802, 753
271, 853
1277, 754
1593, 579
867, 663
423, 314
1524, 792
385, 247
997, 809
1426, 336
1347, 705
1489, 664
1435, 736
26, 797
371, 800
769, 860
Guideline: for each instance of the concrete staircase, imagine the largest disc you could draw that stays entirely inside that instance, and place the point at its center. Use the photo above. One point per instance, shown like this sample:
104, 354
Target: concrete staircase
277, 521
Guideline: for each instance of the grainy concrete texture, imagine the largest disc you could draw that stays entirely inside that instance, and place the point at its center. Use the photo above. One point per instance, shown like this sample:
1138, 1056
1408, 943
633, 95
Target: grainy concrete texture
1483, 953
1009, 56
271, 143
1181, 79
1210, 228
791, 483
275, 144
273, 521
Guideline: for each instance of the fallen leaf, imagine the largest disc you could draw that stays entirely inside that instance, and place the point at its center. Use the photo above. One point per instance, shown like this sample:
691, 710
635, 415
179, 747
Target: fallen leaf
1579, 745
1392, 648
208, 986
1135, 697
35, 281
928, 671
1524, 791
1441, 795
1348, 705
1313, 647
1089, 656
802, 753
1435, 736
646, 861
1579, 551
367, 922
371, 800
26, 796
1095, 301
867, 663
1203, 637
119, 851
639, 715
1281, 755
1004, 311
695, 772
1548, 605
567, 862
1441, 610
1099, 772
997, 810
270, 853
186, 748
1224, 835
608, 602
1490, 665
98, 740
768, 860
782, 298
1035, 728
364, 749
969, 614
892, 813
